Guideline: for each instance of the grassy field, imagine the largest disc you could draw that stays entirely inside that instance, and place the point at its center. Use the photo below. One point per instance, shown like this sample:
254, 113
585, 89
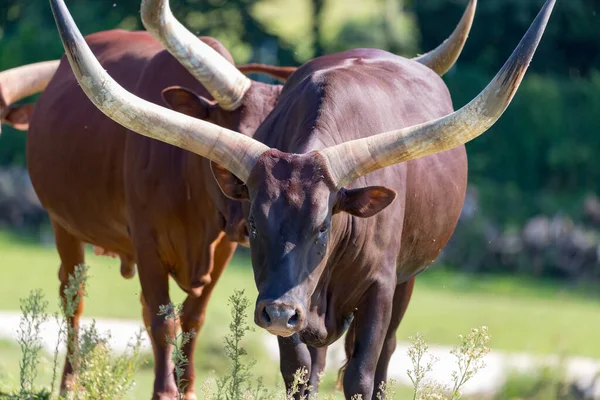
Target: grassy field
528, 316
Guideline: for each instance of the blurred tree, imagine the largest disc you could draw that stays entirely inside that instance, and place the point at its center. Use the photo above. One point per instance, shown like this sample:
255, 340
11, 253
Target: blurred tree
317, 13
571, 43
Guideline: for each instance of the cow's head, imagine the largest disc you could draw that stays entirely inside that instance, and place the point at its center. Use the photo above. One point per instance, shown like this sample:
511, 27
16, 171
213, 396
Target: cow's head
292, 200
292, 197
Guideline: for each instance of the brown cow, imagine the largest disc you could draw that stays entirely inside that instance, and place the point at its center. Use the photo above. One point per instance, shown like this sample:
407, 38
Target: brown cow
153, 204
157, 195
328, 241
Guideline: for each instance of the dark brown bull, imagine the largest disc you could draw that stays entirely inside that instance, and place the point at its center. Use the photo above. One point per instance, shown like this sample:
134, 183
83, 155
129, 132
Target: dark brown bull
236, 152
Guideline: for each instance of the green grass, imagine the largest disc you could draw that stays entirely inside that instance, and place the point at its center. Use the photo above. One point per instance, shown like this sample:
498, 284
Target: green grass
523, 315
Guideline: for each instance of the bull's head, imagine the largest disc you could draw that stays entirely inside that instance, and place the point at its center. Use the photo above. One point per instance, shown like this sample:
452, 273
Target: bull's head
292, 197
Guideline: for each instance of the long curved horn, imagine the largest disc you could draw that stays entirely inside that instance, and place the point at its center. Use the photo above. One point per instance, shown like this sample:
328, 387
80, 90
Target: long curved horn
234, 151
443, 57
224, 82
18, 83
350, 160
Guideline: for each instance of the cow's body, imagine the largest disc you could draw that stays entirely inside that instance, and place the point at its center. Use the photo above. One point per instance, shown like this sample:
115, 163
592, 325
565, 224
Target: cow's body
151, 203
336, 99
339, 98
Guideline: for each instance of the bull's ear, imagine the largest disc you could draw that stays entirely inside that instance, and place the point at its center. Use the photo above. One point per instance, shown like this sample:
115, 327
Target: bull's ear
364, 202
187, 102
230, 185
18, 116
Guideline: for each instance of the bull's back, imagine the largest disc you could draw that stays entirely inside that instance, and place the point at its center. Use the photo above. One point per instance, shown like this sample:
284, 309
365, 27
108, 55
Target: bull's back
75, 153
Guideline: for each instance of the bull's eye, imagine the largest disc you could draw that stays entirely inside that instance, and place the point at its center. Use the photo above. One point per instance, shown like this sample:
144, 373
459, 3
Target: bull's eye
323, 229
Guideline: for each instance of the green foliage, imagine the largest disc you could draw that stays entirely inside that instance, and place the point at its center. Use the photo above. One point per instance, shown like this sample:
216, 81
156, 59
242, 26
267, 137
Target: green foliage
172, 314
99, 372
236, 382
33, 315
543, 144
570, 47
548, 382
469, 355
105, 375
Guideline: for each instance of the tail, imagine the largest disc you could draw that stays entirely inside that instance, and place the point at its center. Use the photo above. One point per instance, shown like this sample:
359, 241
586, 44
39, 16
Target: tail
349, 349
21, 82
280, 73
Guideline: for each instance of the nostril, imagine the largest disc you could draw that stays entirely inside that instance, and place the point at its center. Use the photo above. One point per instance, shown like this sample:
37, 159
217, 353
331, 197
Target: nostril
293, 320
266, 317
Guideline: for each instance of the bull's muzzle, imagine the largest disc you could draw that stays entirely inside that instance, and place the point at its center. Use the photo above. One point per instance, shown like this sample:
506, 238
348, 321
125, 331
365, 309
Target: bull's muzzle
280, 318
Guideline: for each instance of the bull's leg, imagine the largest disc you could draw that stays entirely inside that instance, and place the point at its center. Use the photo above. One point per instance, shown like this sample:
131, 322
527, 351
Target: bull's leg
155, 292
371, 324
194, 310
71, 252
318, 356
293, 355
402, 297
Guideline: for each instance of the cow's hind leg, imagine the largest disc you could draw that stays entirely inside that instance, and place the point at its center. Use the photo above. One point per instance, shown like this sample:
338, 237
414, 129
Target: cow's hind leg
71, 252
194, 310
402, 297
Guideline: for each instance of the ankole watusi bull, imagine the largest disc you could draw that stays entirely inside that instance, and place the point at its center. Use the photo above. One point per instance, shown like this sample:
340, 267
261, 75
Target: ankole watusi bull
152, 203
351, 133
